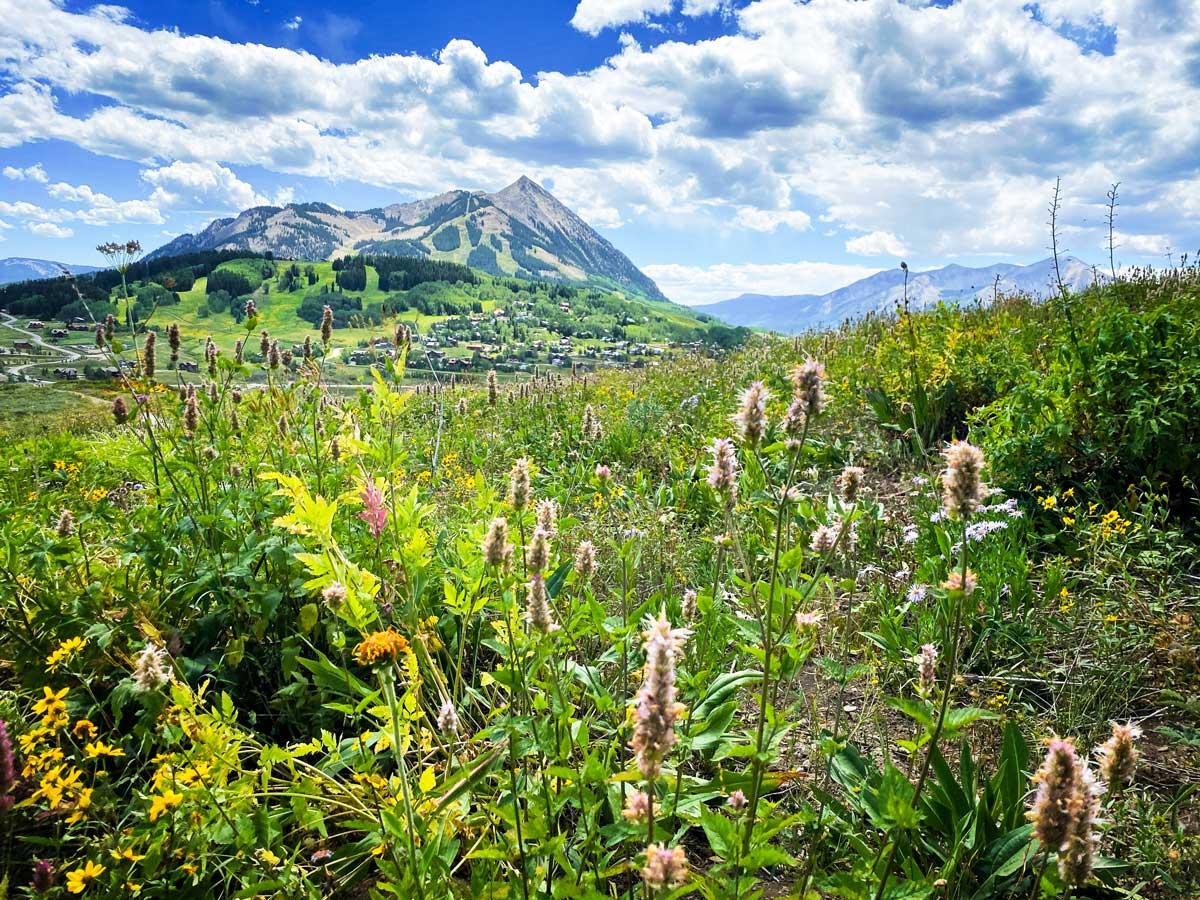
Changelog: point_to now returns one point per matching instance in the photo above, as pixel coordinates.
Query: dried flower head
(962, 489)
(120, 411)
(264, 345)
(492, 388)
(274, 355)
(496, 548)
(151, 670)
(689, 605)
(380, 645)
(100, 342)
(173, 341)
(850, 483)
(722, 475)
(518, 484)
(665, 868)
(191, 413)
(42, 878)
(751, 417)
(66, 524)
(537, 606)
(1119, 756)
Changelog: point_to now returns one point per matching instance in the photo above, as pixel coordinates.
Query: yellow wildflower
(64, 652)
(99, 748)
(126, 855)
(84, 730)
(79, 879)
(160, 803)
(51, 708)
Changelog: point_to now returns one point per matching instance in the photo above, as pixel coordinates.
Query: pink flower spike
(374, 513)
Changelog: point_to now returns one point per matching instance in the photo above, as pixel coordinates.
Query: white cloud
(101, 209)
(293, 24)
(31, 173)
(50, 230)
(707, 284)
(593, 16)
(877, 243)
(207, 185)
(769, 219)
(942, 125)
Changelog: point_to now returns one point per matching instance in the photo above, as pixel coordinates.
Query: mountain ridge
(25, 268)
(881, 291)
(520, 230)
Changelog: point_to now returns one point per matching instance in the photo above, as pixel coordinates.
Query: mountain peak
(522, 230)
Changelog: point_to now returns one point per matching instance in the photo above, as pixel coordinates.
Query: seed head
(1079, 846)
(173, 341)
(66, 524)
(537, 554)
(547, 516)
(492, 388)
(926, 662)
(688, 605)
(120, 411)
(824, 539)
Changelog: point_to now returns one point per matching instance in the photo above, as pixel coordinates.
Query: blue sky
(725, 145)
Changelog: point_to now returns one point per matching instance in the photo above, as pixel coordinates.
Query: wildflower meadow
(904, 609)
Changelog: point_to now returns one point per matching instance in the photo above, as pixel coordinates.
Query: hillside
(522, 230)
(880, 292)
(20, 268)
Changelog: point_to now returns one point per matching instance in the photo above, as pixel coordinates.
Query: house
(22, 345)
(35, 324)
(68, 374)
(188, 366)
(59, 332)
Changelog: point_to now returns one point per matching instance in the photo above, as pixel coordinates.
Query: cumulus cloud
(696, 285)
(50, 230)
(593, 16)
(945, 126)
(293, 24)
(30, 173)
(877, 243)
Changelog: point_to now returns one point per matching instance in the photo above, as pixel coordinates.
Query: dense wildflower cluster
(1065, 810)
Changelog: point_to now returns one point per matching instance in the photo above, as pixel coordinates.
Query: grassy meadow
(868, 613)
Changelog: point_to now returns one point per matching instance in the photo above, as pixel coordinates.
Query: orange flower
(379, 644)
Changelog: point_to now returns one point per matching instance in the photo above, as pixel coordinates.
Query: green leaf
(308, 618)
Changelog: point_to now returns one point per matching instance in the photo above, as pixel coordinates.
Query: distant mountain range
(20, 268)
(880, 292)
(522, 230)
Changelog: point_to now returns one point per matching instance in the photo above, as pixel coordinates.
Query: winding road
(10, 321)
